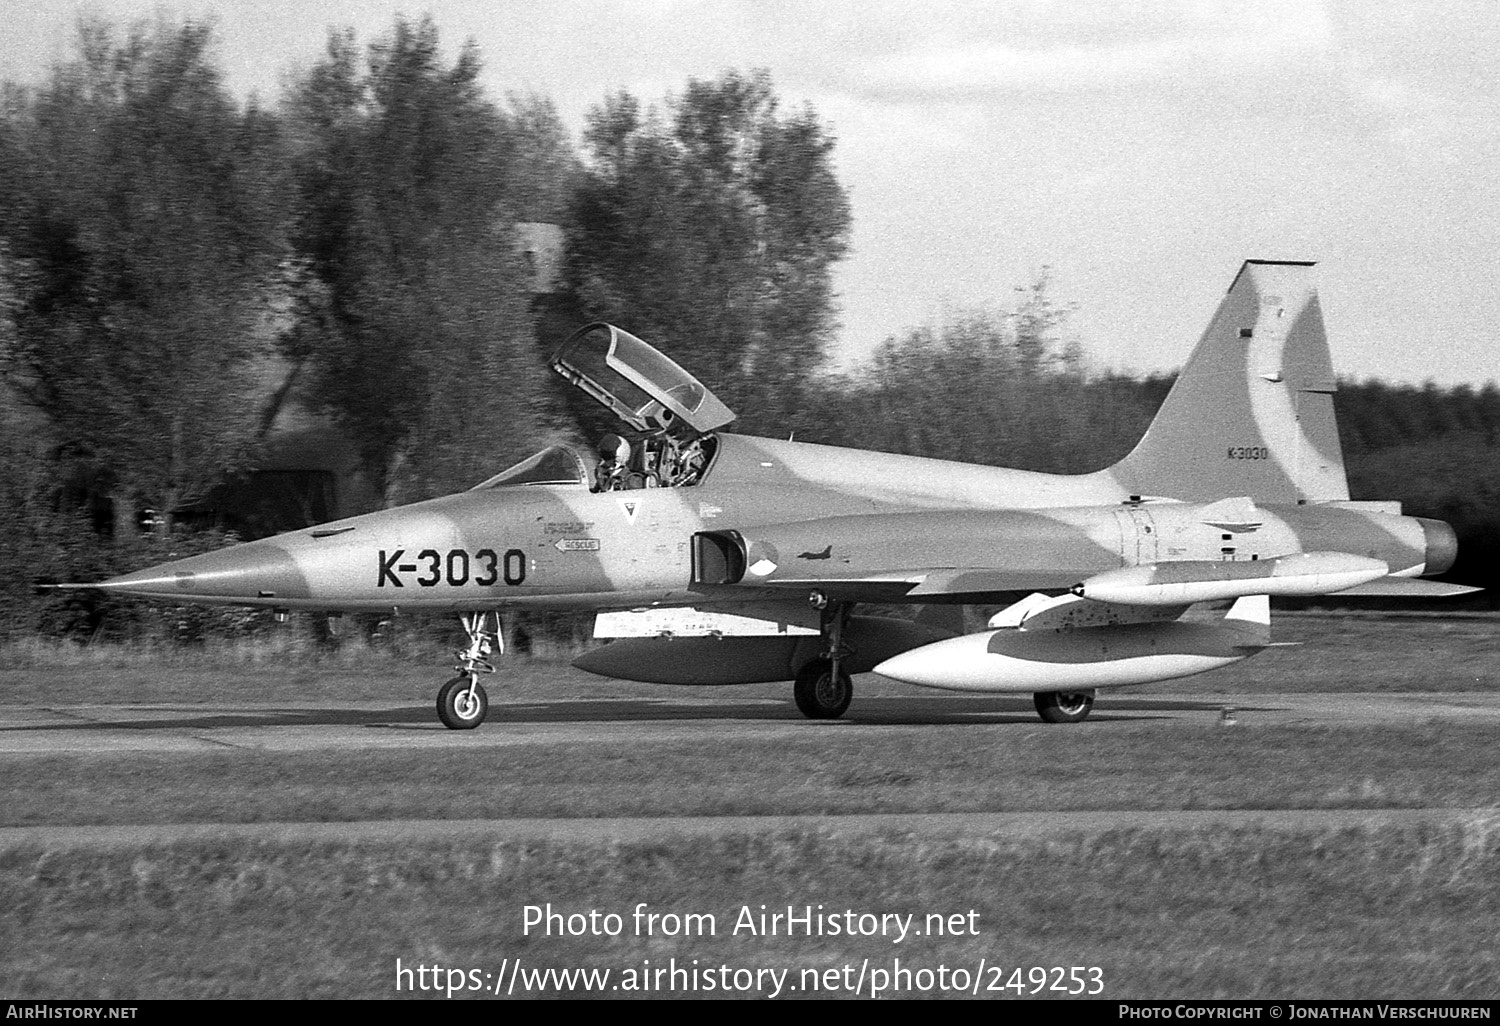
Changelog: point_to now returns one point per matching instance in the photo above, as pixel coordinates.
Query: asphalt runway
(321, 726)
(102, 730)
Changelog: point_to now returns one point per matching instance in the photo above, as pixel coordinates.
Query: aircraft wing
(928, 584)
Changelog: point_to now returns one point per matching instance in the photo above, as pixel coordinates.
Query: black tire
(1064, 706)
(456, 717)
(819, 695)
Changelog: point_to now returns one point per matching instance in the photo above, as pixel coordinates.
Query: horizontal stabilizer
(1407, 587)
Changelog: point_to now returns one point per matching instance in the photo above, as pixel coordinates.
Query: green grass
(919, 768)
(1394, 912)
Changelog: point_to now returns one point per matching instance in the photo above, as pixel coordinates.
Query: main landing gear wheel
(821, 693)
(1063, 706)
(461, 706)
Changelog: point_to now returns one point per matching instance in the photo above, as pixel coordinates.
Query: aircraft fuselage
(804, 513)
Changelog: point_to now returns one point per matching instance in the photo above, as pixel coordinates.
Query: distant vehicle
(715, 558)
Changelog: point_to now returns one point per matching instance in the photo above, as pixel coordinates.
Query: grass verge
(1394, 912)
(889, 769)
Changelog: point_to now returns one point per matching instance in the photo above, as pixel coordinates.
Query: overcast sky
(1139, 148)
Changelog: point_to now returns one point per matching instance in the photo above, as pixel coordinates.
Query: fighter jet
(716, 558)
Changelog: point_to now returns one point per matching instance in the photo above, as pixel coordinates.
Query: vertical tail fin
(1252, 412)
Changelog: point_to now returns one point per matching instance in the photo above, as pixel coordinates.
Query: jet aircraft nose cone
(255, 570)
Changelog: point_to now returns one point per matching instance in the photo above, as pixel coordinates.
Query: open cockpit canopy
(670, 416)
(642, 387)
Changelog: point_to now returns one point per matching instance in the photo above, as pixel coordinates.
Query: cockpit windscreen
(555, 465)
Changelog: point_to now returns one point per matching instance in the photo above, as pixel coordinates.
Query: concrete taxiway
(321, 726)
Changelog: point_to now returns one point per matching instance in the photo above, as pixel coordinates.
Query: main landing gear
(462, 702)
(1063, 706)
(823, 690)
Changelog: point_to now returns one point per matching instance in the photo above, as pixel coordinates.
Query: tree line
(162, 243)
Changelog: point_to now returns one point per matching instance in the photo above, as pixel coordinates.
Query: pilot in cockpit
(614, 464)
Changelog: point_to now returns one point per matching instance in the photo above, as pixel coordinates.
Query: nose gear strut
(462, 702)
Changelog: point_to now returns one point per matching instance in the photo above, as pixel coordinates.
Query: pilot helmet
(613, 447)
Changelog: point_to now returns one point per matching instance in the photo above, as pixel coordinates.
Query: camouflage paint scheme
(893, 521)
(1242, 463)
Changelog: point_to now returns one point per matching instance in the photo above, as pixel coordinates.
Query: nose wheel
(462, 703)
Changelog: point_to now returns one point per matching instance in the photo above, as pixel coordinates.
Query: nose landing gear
(462, 702)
